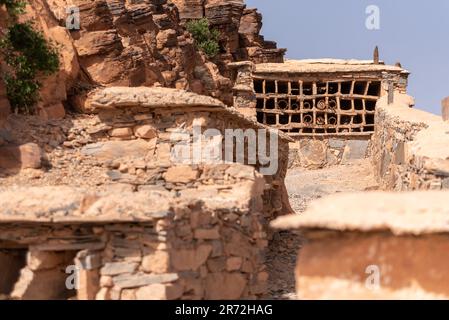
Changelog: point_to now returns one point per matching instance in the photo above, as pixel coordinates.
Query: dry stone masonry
(106, 198)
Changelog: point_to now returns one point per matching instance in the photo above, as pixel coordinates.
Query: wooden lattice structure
(317, 97)
(317, 107)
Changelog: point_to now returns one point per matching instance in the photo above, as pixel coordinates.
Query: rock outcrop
(239, 29)
(119, 43)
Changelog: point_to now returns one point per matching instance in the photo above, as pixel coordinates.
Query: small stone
(160, 292)
(25, 156)
(207, 233)
(141, 279)
(234, 263)
(121, 132)
(103, 294)
(262, 276)
(157, 262)
(143, 117)
(190, 259)
(145, 131)
(106, 281)
(225, 286)
(181, 174)
(216, 264)
(115, 268)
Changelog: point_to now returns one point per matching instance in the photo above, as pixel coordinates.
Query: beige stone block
(106, 281)
(145, 131)
(157, 262)
(25, 156)
(190, 259)
(41, 260)
(121, 132)
(128, 294)
(181, 174)
(224, 286)
(115, 268)
(88, 284)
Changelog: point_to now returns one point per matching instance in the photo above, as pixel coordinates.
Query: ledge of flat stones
(64, 204)
(149, 97)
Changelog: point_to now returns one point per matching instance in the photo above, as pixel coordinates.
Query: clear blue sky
(413, 32)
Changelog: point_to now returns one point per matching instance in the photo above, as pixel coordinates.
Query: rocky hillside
(140, 43)
(239, 28)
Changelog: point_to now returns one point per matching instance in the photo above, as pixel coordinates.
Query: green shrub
(205, 37)
(14, 7)
(29, 55)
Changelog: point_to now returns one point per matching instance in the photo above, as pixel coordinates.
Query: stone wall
(284, 95)
(316, 153)
(409, 147)
(131, 141)
(136, 245)
(5, 108)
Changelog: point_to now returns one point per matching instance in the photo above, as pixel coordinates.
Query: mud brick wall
(409, 147)
(372, 245)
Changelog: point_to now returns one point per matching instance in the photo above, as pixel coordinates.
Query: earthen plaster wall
(409, 147)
